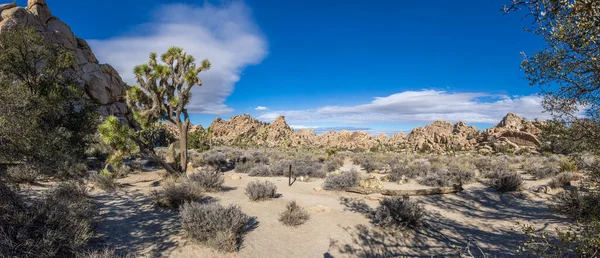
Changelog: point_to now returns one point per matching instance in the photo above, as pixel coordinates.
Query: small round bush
(259, 191)
(209, 179)
(214, 225)
(438, 177)
(104, 180)
(174, 194)
(260, 170)
(507, 182)
(342, 181)
(294, 215)
(577, 204)
(398, 212)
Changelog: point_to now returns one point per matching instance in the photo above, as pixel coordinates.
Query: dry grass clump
(398, 212)
(214, 225)
(58, 225)
(208, 179)
(342, 181)
(567, 164)
(294, 215)
(260, 191)
(507, 182)
(22, 173)
(561, 180)
(175, 193)
(104, 180)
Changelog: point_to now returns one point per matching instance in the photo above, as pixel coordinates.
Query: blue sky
(378, 66)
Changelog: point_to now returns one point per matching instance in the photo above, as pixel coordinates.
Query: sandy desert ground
(338, 227)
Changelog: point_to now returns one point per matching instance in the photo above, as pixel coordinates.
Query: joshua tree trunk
(183, 144)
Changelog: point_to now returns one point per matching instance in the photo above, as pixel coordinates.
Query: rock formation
(439, 136)
(443, 136)
(100, 81)
(514, 131)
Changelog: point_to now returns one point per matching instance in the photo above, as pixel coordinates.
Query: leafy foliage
(567, 69)
(45, 120)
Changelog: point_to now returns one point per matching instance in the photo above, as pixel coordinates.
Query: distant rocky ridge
(101, 82)
(513, 132)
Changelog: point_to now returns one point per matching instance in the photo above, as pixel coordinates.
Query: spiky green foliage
(164, 91)
(45, 120)
(119, 137)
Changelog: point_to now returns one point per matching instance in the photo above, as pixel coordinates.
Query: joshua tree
(162, 95)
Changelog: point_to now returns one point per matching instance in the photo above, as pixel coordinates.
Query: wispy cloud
(226, 35)
(261, 108)
(419, 107)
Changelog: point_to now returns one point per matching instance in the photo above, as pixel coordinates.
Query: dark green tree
(568, 69)
(45, 120)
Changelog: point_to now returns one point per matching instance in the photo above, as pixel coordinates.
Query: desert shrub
(214, 225)
(368, 162)
(104, 180)
(398, 212)
(60, 224)
(196, 158)
(334, 163)
(507, 182)
(244, 167)
(484, 164)
(567, 164)
(439, 177)
(578, 240)
(561, 180)
(462, 171)
(260, 191)
(420, 167)
(400, 171)
(342, 181)
(208, 179)
(294, 215)
(260, 170)
(300, 167)
(174, 194)
(547, 169)
(577, 204)
(22, 173)
(216, 159)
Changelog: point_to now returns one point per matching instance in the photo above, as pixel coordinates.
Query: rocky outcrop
(443, 136)
(513, 131)
(101, 81)
(439, 136)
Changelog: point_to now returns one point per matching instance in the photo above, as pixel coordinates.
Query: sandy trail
(338, 226)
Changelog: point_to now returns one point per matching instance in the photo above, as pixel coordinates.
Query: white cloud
(261, 108)
(226, 35)
(421, 107)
